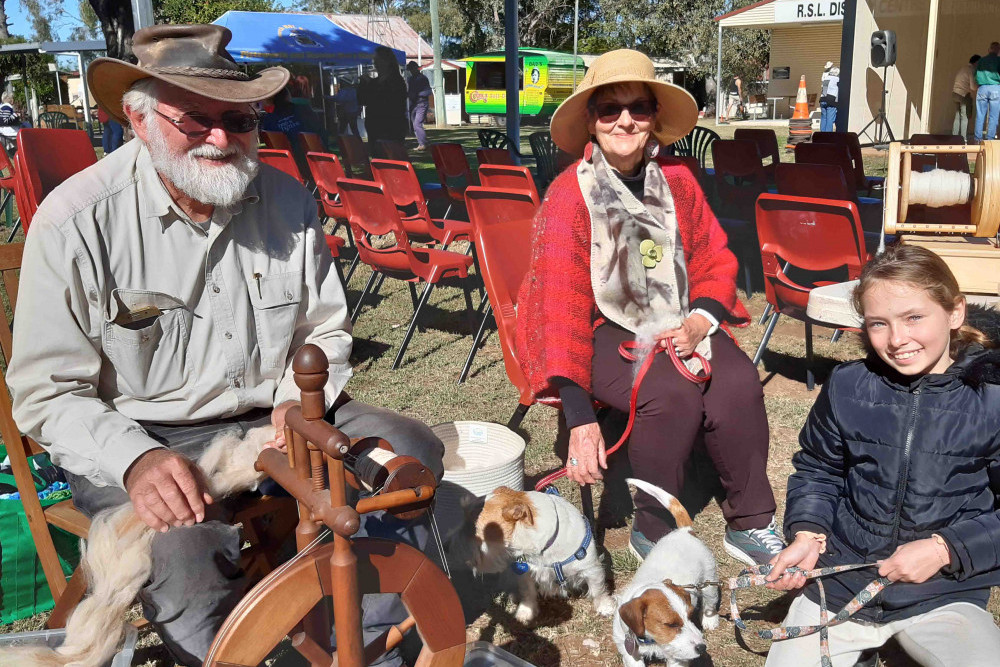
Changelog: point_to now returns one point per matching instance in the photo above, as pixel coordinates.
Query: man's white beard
(216, 185)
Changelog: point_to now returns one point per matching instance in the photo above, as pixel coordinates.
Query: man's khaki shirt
(219, 314)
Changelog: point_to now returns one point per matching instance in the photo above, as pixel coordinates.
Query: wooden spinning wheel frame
(291, 601)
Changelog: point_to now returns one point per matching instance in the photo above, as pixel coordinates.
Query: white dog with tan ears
(117, 560)
(547, 540)
(655, 610)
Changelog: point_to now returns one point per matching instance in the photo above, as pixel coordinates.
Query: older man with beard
(163, 294)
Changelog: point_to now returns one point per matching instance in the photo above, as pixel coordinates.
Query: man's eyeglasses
(640, 110)
(195, 125)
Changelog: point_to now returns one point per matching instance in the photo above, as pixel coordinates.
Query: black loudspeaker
(883, 48)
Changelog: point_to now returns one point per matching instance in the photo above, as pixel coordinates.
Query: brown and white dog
(655, 610)
(547, 540)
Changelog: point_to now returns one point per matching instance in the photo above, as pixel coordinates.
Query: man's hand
(802, 553)
(278, 421)
(586, 446)
(686, 337)
(167, 489)
(915, 562)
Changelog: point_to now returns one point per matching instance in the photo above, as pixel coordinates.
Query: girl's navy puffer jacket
(887, 460)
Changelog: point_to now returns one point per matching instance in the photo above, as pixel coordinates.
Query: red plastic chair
(453, 172)
(494, 156)
(810, 236)
(312, 143)
(507, 177)
(46, 158)
(400, 182)
(501, 228)
(926, 162)
(767, 146)
(326, 170)
(850, 139)
(15, 188)
(394, 150)
(354, 156)
(835, 154)
(739, 176)
(283, 160)
(371, 213)
(275, 140)
(826, 181)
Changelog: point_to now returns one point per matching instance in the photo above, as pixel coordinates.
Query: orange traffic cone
(801, 101)
(800, 125)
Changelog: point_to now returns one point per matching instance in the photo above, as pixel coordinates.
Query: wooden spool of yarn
(372, 466)
(938, 188)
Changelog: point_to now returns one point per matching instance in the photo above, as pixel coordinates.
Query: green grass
(426, 387)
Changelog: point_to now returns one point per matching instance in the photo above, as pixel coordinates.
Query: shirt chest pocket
(275, 301)
(150, 353)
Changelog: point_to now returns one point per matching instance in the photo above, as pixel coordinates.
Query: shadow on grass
(794, 367)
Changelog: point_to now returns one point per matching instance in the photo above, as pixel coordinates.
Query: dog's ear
(519, 511)
(683, 594)
(633, 614)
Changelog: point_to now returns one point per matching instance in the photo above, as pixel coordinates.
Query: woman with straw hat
(625, 249)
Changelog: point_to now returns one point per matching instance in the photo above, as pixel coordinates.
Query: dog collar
(632, 643)
(520, 565)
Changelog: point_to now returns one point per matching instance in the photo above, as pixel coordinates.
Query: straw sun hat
(192, 57)
(676, 110)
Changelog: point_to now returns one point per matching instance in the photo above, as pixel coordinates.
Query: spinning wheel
(291, 600)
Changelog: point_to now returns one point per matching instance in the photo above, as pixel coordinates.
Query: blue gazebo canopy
(269, 37)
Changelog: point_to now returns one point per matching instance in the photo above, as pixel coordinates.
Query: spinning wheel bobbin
(984, 190)
(372, 465)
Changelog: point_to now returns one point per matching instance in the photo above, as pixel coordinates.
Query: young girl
(900, 463)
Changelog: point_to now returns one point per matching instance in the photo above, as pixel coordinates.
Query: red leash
(626, 350)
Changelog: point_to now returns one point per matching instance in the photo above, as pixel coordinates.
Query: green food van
(546, 80)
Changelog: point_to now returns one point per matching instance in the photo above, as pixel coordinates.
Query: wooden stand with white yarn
(969, 248)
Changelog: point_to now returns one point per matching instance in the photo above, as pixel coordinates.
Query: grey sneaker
(756, 546)
(639, 545)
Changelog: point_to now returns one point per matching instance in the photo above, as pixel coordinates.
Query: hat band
(209, 72)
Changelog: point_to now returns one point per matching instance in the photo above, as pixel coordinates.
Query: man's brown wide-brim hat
(192, 57)
(676, 113)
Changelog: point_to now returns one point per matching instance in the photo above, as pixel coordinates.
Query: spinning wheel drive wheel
(279, 604)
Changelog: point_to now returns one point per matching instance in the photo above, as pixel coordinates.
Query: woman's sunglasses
(195, 125)
(640, 110)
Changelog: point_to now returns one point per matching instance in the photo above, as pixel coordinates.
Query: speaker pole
(879, 138)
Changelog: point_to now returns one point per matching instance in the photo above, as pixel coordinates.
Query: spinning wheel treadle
(289, 602)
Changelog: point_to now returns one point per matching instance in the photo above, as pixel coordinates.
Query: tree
(117, 25)
(206, 11)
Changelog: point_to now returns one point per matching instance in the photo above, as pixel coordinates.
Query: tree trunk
(117, 25)
(4, 33)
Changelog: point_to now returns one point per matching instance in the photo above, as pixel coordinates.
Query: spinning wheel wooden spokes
(274, 608)
(291, 600)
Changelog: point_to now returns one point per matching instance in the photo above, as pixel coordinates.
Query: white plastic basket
(478, 457)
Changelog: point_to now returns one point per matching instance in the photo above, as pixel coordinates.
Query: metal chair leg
(378, 285)
(810, 378)
(475, 344)
(836, 335)
(767, 313)
(766, 338)
(354, 265)
(415, 301)
(361, 299)
(413, 325)
(518, 416)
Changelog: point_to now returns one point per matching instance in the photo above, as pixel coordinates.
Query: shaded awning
(268, 37)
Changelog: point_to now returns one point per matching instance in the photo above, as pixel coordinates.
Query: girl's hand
(802, 553)
(686, 337)
(586, 446)
(915, 562)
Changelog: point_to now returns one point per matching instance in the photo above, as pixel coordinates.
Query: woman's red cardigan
(556, 307)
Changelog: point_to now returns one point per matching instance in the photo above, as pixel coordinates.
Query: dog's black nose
(701, 649)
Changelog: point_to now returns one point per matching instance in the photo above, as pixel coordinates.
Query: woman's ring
(573, 461)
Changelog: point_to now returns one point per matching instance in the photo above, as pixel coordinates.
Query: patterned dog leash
(757, 576)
